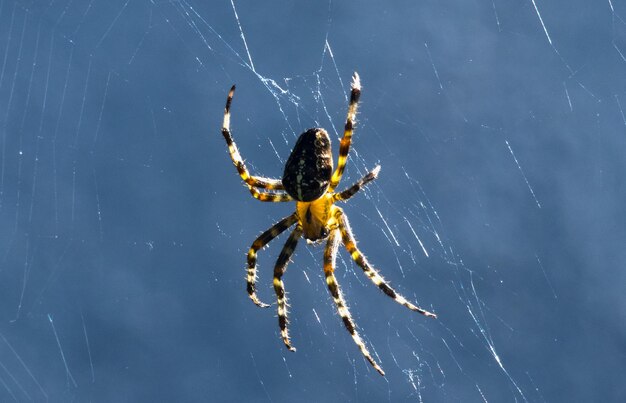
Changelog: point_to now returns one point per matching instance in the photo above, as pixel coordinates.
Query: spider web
(123, 226)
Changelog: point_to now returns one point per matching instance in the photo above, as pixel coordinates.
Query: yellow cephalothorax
(310, 181)
(317, 218)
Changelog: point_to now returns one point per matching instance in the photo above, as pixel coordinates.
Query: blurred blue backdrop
(501, 132)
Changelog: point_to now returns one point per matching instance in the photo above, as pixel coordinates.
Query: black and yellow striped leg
(350, 244)
(344, 146)
(352, 190)
(273, 197)
(330, 254)
(258, 244)
(279, 287)
(256, 181)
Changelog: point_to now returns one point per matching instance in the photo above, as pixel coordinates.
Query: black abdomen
(309, 167)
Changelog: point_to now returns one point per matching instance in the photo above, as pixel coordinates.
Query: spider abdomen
(309, 167)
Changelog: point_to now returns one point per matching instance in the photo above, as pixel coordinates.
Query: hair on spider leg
(376, 171)
(356, 82)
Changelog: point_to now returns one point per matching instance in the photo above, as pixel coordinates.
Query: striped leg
(330, 254)
(273, 197)
(350, 244)
(351, 191)
(259, 244)
(344, 146)
(257, 181)
(279, 287)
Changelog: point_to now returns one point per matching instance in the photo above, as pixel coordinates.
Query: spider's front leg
(258, 244)
(251, 181)
(279, 287)
(330, 255)
(350, 244)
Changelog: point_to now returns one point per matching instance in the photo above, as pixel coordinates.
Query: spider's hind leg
(346, 140)
(258, 244)
(330, 255)
(252, 181)
(269, 196)
(350, 244)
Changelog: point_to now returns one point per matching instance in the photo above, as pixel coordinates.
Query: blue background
(500, 206)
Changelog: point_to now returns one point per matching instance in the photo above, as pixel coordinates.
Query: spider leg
(350, 244)
(273, 197)
(258, 244)
(256, 181)
(352, 190)
(279, 287)
(330, 255)
(344, 146)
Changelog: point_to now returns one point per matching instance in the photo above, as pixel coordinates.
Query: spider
(310, 181)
